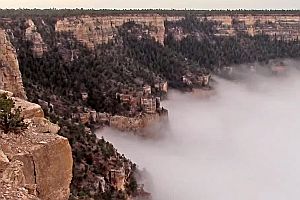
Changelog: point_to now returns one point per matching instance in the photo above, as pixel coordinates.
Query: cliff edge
(36, 164)
(93, 31)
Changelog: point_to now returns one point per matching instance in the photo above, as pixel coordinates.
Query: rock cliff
(93, 31)
(10, 76)
(36, 164)
(32, 35)
(139, 125)
(285, 26)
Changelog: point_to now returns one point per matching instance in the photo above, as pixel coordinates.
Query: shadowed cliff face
(32, 35)
(93, 31)
(242, 143)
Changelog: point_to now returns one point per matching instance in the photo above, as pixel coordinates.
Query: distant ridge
(169, 12)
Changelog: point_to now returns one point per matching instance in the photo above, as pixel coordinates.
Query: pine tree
(10, 117)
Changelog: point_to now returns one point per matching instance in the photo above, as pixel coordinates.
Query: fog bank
(241, 144)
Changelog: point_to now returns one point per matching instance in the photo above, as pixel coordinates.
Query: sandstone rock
(13, 174)
(3, 161)
(137, 125)
(12, 181)
(93, 31)
(118, 178)
(9, 94)
(46, 125)
(31, 34)
(3, 157)
(283, 23)
(10, 192)
(29, 110)
(10, 76)
(40, 160)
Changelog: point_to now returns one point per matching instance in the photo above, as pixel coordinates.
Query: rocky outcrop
(36, 164)
(10, 76)
(11, 180)
(31, 34)
(138, 124)
(285, 26)
(93, 31)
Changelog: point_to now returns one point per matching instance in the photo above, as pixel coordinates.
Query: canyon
(113, 71)
(93, 31)
(238, 142)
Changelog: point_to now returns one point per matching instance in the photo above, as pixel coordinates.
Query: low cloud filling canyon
(241, 144)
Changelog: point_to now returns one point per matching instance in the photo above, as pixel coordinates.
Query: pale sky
(176, 4)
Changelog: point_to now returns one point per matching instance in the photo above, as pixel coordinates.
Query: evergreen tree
(10, 117)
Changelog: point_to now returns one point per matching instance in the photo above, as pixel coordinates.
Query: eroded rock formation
(285, 26)
(93, 31)
(36, 164)
(10, 76)
(138, 125)
(32, 35)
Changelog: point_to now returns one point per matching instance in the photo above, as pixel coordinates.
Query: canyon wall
(140, 125)
(36, 164)
(93, 31)
(10, 76)
(31, 34)
(251, 19)
(285, 26)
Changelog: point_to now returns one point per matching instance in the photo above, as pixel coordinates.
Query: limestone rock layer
(93, 31)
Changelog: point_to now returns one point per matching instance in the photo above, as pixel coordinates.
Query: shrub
(10, 117)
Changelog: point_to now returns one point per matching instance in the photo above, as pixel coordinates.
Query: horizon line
(155, 9)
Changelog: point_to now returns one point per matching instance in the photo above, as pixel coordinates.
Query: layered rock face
(10, 76)
(286, 26)
(36, 164)
(252, 19)
(138, 125)
(31, 34)
(283, 26)
(93, 31)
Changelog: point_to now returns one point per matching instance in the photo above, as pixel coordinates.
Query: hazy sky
(179, 4)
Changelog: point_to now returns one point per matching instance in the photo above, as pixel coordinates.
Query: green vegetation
(93, 158)
(10, 117)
